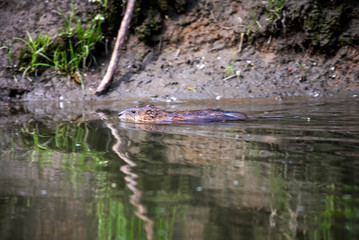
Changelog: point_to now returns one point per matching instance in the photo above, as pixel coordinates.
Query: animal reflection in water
(130, 179)
(151, 114)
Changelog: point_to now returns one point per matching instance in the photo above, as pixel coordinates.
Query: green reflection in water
(117, 217)
(129, 213)
(71, 138)
(339, 213)
(36, 143)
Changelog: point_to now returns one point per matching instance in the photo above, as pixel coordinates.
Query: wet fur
(151, 114)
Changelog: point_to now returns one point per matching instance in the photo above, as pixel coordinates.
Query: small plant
(229, 71)
(300, 65)
(35, 54)
(60, 60)
(253, 28)
(71, 50)
(274, 12)
(8, 49)
(81, 42)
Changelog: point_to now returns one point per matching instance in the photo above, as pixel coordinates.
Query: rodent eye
(133, 111)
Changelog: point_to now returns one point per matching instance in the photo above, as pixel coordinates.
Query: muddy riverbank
(200, 54)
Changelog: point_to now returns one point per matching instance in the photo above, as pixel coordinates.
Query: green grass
(229, 71)
(8, 49)
(274, 15)
(252, 28)
(68, 52)
(66, 138)
(274, 12)
(81, 42)
(35, 53)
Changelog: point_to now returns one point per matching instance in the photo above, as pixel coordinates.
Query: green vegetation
(148, 18)
(274, 13)
(341, 210)
(323, 25)
(74, 47)
(81, 42)
(37, 143)
(115, 216)
(150, 29)
(70, 137)
(8, 49)
(119, 219)
(229, 70)
(71, 50)
(253, 28)
(36, 54)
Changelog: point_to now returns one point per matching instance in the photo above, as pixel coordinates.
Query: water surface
(67, 174)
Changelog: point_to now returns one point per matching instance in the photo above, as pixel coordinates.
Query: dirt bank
(199, 53)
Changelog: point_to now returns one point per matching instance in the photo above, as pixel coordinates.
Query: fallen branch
(118, 46)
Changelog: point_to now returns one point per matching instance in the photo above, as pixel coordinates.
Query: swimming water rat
(151, 114)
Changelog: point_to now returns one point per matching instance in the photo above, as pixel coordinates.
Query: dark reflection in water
(275, 178)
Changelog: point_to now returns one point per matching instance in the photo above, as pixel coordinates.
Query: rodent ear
(150, 113)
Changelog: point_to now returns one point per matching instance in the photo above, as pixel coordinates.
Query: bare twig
(241, 42)
(118, 46)
(229, 77)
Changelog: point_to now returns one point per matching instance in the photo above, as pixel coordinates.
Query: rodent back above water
(152, 114)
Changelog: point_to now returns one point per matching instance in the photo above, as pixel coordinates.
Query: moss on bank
(323, 24)
(147, 19)
(326, 25)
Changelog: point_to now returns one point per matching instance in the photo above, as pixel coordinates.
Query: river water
(67, 174)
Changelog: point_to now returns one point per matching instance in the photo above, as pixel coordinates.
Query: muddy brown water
(66, 176)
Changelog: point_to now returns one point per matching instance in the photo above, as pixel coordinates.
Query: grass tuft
(71, 50)
(8, 48)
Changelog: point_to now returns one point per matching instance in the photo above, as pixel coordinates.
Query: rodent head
(139, 114)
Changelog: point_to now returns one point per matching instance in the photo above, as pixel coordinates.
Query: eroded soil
(199, 56)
